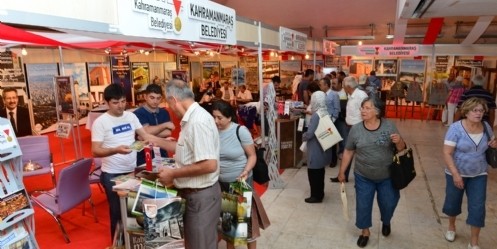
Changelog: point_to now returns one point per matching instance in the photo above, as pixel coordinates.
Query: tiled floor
(418, 221)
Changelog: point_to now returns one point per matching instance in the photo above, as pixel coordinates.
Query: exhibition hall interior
(105, 141)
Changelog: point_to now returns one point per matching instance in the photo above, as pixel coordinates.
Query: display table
(288, 149)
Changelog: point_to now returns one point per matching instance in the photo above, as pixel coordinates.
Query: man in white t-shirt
(111, 135)
(244, 95)
(353, 112)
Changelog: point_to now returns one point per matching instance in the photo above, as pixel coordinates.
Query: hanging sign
(409, 50)
(329, 47)
(291, 40)
(469, 63)
(186, 20)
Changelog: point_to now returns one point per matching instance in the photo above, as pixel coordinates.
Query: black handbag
(402, 170)
(490, 153)
(260, 172)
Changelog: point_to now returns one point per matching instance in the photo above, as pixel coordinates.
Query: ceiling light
(359, 43)
(141, 51)
(107, 50)
(24, 51)
(271, 54)
(243, 50)
(306, 56)
(196, 52)
(147, 52)
(293, 58)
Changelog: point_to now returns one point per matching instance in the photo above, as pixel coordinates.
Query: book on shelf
(12, 203)
(15, 237)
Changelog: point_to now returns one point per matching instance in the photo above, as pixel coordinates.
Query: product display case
(16, 212)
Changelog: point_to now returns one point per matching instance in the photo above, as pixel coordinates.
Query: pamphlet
(150, 190)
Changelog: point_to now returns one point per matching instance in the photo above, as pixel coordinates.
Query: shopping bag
(326, 133)
(303, 147)
(163, 222)
(402, 170)
(236, 212)
(262, 217)
(345, 208)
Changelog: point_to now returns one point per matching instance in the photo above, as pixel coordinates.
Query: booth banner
(121, 74)
(409, 50)
(64, 96)
(329, 47)
(186, 20)
(11, 74)
(291, 40)
(99, 78)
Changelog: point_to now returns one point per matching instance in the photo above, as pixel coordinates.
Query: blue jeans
(387, 199)
(476, 192)
(113, 199)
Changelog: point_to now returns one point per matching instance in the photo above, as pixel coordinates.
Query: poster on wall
(168, 68)
(441, 64)
(288, 70)
(99, 77)
(238, 76)
(41, 91)
(80, 80)
(249, 64)
(12, 75)
(361, 66)
(121, 75)
(412, 71)
(386, 68)
(226, 68)
(141, 79)
(318, 67)
(210, 72)
(156, 72)
(64, 94)
(180, 75)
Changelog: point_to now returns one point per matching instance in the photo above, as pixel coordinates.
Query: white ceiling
(352, 17)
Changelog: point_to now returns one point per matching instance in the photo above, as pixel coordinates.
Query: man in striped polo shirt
(478, 91)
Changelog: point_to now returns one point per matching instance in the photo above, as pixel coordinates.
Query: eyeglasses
(366, 108)
(478, 110)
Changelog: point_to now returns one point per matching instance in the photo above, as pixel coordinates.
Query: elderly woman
(466, 168)
(236, 155)
(371, 142)
(317, 159)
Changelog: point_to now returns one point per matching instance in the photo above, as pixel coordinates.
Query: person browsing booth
(155, 120)
(197, 166)
(112, 134)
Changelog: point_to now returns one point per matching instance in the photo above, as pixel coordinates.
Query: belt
(187, 191)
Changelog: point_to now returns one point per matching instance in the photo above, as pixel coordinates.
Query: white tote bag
(345, 207)
(326, 133)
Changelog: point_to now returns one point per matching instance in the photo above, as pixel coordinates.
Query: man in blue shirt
(155, 120)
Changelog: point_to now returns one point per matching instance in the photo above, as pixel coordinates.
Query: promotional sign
(329, 47)
(469, 63)
(389, 50)
(186, 20)
(291, 40)
(121, 74)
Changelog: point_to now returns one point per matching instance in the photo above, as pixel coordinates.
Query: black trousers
(316, 182)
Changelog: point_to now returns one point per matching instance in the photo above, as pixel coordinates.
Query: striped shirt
(479, 92)
(455, 94)
(198, 141)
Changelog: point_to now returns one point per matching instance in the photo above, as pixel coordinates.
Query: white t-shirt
(228, 94)
(353, 114)
(113, 132)
(246, 95)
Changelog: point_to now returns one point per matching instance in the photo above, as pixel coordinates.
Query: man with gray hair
(478, 91)
(353, 111)
(197, 167)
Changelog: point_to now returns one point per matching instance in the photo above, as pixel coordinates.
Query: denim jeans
(113, 199)
(387, 198)
(476, 192)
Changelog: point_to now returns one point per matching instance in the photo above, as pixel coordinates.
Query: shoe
(313, 200)
(450, 235)
(385, 230)
(333, 165)
(472, 247)
(362, 241)
(335, 179)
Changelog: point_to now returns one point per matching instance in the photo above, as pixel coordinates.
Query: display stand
(16, 213)
(272, 146)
